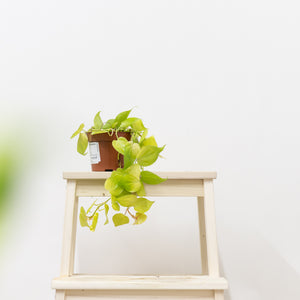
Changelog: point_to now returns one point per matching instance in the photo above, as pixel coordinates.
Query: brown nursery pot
(103, 155)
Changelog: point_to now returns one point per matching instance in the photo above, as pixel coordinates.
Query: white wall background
(216, 80)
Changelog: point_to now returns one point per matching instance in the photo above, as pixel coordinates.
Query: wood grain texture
(202, 235)
(117, 282)
(138, 295)
(208, 286)
(69, 235)
(210, 225)
(169, 175)
(171, 187)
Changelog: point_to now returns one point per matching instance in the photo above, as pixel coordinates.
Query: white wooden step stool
(206, 286)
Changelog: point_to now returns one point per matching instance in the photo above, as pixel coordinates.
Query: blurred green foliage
(7, 174)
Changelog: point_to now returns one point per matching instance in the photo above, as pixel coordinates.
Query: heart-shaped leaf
(109, 123)
(130, 183)
(120, 144)
(127, 200)
(122, 117)
(112, 185)
(114, 204)
(95, 221)
(148, 155)
(97, 121)
(120, 219)
(151, 178)
(130, 153)
(140, 218)
(150, 141)
(142, 205)
(83, 218)
(82, 143)
(80, 128)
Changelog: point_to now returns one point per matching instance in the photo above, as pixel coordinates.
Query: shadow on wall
(254, 269)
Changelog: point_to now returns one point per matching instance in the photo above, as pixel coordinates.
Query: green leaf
(130, 183)
(122, 117)
(142, 205)
(134, 170)
(108, 124)
(148, 155)
(138, 125)
(150, 141)
(111, 184)
(106, 211)
(130, 153)
(95, 221)
(127, 123)
(135, 123)
(120, 219)
(78, 130)
(82, 143)
(140, 218)
(98, 131)
(120, 144)
(141, 192)
(114, 204)
(83, 218)
(127, 200)
(97, 121)
(151, 178)
(145, 133)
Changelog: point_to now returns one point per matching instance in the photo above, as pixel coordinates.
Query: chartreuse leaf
(78, 130)
(150, 141)
(138, 125)
(141, 192)
(82, 143)
(98, 131)
(127, 123)
(134, 170)
(112, 186)
(140, 218)
(120, 219)
(127, 200)
(142, 205)
(122, 117)
(145, 133)
(148, 155)
(83, 218)
(130, 153)
(120, 144)
(106, 207)
(95, 221)
(135, 123)
(108, 124)
(130, 183)
(151, 178)
(97, 121)
(114, 204)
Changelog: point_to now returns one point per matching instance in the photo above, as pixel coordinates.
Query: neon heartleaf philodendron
(126, 185)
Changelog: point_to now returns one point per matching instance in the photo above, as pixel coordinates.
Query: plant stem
(127, 210)
(98, 206)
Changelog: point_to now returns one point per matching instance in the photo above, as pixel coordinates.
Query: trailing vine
(126, 184)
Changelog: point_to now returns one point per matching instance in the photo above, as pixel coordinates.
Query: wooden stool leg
(202, 230)
(210, 225)
(219, 295)
(70, 226)
(60, 295)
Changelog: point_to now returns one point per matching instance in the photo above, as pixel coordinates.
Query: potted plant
(120, 145)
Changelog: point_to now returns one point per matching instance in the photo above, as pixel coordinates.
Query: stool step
(113, 282)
